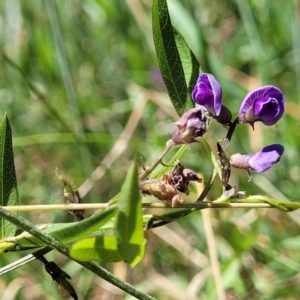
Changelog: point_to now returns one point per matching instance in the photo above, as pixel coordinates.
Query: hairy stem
(24, 260)
(250, 202)
(95, 268)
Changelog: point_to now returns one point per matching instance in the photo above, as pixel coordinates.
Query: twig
(24, 260)
(201, 205)
(49, 240)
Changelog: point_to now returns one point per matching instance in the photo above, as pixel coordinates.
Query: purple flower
(208, 93)
(192, 124)
(259, 161)
(265, 104)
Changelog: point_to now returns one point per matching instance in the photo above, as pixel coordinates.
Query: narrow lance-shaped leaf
(168, 57)
(129, 222)
(8, 180)
(63, 232)
(189, 62)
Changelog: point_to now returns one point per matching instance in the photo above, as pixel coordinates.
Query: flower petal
(265, 104)
(266, 158)
(208, 93)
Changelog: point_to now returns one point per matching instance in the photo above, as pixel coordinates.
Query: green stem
(257, 201)
(207, 186)
(157, 161)
(232, 129)
(24, 260)
(49, 240)
(284, 205)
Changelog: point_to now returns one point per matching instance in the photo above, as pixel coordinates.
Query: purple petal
(208, 93)
(264, 104)
(268, 110)
(266, 158)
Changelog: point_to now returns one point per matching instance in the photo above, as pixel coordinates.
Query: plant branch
(24, 260)
(232, 129)
(95, 268)
(250, 202)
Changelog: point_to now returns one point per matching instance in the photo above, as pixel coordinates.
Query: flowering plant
(117, 232)
(265, 104)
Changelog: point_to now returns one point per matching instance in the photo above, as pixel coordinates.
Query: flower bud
(192, 124)
(208, 93)
(260, 161)
(265, 104)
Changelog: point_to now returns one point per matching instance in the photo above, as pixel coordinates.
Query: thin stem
(242, 203)
(157, 161)
(24, 260)
(232, 129)
(50, 207)
(49, 240)
(208, 186)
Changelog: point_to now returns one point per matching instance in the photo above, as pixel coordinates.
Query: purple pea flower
(208, 93)
(191, 124)
(259, 161)
(265, 104)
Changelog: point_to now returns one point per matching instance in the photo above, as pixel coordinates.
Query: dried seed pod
(59, 276)
(71, 195)
(167, 187)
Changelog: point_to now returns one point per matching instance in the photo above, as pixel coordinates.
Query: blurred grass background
(79, 82)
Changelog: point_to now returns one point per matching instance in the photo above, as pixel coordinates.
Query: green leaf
(239, 241)
(189, 62)
(168, 57)
(211, 156)
(184, 21)
(100, 248)
(8, 180)
(63, 232)
(129, 222)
